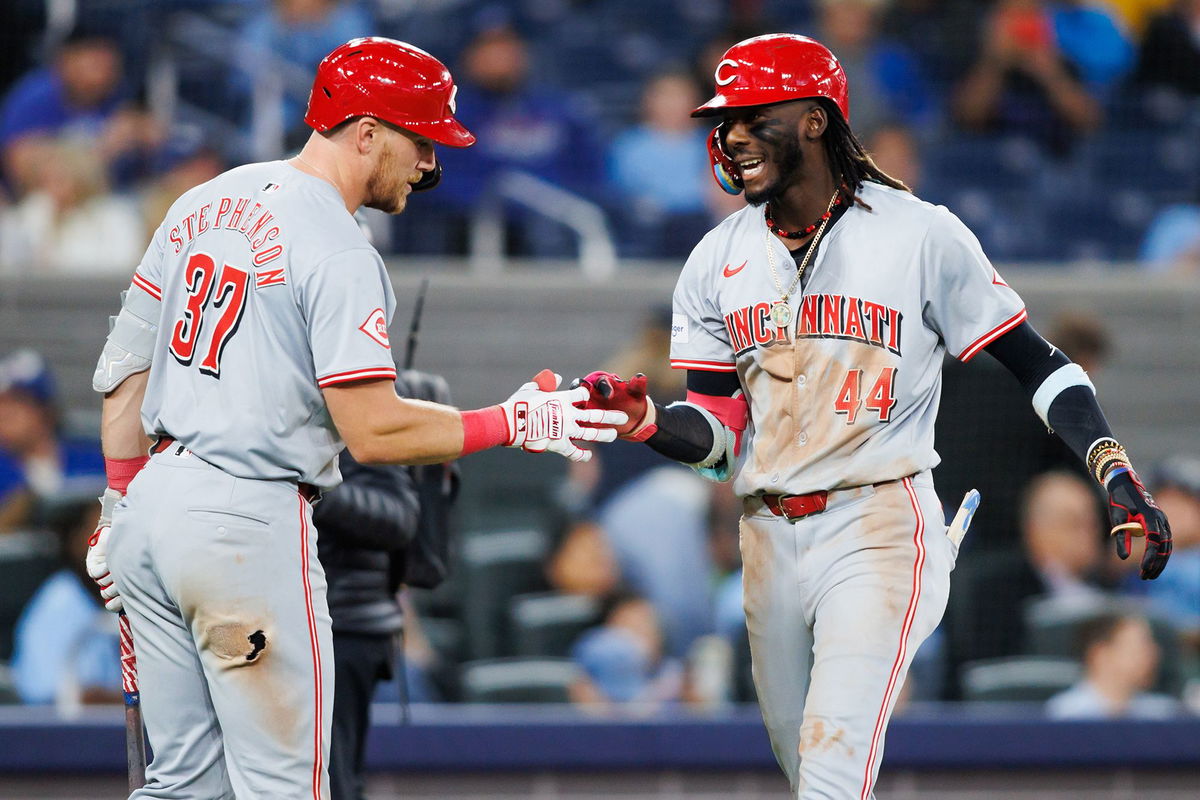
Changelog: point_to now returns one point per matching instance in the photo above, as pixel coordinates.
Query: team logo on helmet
(728, 62)
(453, 100)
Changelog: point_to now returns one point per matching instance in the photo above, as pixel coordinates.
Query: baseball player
(812, 324)
(252, 346)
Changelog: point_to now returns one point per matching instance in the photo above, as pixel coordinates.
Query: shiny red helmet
(392, 81)
(773, 69)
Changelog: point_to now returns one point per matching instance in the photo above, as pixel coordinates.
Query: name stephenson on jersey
(847, 393)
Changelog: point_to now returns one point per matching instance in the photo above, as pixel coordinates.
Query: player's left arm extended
(1065, 399)
(704, 431)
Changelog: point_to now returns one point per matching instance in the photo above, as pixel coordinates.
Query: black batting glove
(1133, 512)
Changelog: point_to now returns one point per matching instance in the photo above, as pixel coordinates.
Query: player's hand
(97, 554)
(607, 391)
(541, 419)
(1133, 512)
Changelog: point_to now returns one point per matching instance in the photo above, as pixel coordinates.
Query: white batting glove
(97, 554)
(540, 419)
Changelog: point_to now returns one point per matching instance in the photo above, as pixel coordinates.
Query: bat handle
(135, 741)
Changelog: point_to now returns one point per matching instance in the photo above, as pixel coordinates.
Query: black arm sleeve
(1074, 414)
(683, 434)
(375, 507)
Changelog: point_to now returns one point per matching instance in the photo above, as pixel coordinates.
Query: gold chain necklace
(315, 168)
(781, 312)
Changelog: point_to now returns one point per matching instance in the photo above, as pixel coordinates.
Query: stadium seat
(519, 680)
(547, 624)
(26, 559)
(495, 567)
(1031, 679)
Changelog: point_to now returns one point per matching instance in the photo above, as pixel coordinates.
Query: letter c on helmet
(729, 62)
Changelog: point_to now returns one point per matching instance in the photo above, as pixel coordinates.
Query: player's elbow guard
(728, 418)
(129, 347)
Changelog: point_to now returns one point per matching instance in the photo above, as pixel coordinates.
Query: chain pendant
(781, 314)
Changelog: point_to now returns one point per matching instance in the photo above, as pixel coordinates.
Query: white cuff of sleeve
(1056, 382)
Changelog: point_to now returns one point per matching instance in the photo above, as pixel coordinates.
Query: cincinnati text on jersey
(232, 214)
(822, 316)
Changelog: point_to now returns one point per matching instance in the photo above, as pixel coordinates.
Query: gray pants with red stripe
(221, 581)
(837, 604)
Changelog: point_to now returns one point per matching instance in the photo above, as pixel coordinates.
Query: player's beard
(787, 160)
(385, 187)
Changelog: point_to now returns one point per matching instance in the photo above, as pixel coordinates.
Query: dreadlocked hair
(848, 158)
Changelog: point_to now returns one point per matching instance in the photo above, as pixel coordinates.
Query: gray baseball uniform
(844, 399)
(269, 293)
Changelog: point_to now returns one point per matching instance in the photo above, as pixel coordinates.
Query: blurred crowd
(1058, 130)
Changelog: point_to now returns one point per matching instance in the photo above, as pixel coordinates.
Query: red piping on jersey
(318, 744)
(995, 333)
(902, 650)
(357, 375)
(732, 412)
(704, 366)
(147, 287)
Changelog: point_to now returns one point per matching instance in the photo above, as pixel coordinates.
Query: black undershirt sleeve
(683, 434)
(1074, 414)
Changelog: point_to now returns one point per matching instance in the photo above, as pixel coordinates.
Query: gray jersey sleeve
(966, 301)
(698, 336)
(347, 303)
(148, 275)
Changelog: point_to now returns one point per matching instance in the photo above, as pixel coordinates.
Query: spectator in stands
(1083, 338)
(35, 459)
(66, 646)
(1093, 41)
(1120, 660)
(1172, 243)
(896, 151)
(887, 79)
(1170, 52)
(185, 160)
(523, 126)
(1021, 83)
(289, 39)
(69, 222)
(658, 171)
(1062, 538)
(622, 659)
(80, 95)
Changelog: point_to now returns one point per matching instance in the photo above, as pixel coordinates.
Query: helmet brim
(448, 131)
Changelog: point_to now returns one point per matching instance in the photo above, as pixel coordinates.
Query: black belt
(306, 490)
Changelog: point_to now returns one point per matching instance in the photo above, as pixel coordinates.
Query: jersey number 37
(209, 293)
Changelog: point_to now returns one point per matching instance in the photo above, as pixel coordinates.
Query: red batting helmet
(390, 80)
(775, 68)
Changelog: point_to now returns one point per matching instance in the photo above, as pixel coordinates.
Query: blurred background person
(623, 662)
(1120, 661)
(66, 649)
(895, 150)
(1021, 83)
(80, 95)
(70, 222)
(36, 459)
(186, 159)
(658, 172)
(1170, 51)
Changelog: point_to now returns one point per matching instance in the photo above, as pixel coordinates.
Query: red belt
(306, 490)
(795, 506)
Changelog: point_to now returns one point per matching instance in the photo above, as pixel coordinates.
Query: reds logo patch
(376, 327)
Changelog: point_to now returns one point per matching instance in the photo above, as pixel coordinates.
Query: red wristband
(121, 471)
(484, 428)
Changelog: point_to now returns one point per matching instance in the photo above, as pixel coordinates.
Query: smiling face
(765, 143)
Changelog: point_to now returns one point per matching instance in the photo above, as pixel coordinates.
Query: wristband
(484, 428)
(121, 471)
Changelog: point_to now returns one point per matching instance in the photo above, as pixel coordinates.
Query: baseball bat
(411, 349)
(135, 740)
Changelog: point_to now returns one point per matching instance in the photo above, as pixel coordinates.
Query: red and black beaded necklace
(800, 234)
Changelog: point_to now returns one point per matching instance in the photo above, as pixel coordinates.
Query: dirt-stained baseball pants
(220, 578)
(837, 604)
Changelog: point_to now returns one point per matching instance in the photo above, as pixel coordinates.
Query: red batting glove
(609, 392)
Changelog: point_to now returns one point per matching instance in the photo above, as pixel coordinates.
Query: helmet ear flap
(429, 179)
(725, 172)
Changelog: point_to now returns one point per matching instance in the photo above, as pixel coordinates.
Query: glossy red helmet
(773, 69)
(392, 81)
